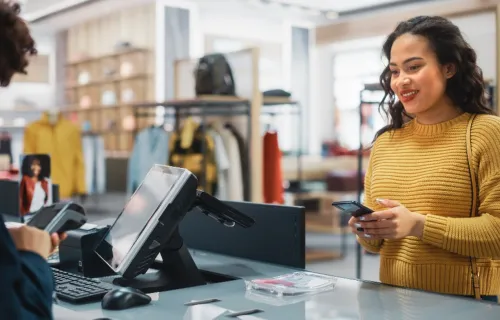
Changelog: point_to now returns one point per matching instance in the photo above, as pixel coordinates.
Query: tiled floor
(104, 209)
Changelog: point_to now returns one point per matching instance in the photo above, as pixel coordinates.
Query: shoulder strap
(471, 168)
(474, 207)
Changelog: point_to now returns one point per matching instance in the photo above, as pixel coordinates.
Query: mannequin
(53, 116)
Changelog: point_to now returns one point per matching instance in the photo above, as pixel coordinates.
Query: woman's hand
(28, 238)
(56, 239)
(396, 222)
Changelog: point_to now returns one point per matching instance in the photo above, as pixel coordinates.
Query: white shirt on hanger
(223, 164)
(235, 176)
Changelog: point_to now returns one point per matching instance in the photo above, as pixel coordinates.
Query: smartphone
(354, 208)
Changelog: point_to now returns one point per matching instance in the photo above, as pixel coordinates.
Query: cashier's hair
(465, 88)
(16, 43)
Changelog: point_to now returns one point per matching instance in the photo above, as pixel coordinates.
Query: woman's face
(417, 78)
(36, 168)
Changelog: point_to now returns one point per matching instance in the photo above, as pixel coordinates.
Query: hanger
(270, 127)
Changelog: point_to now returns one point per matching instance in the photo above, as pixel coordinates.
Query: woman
(26, 281)
(34, 188)
(419, 182)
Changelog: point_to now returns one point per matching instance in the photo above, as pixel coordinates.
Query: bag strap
(474, 207)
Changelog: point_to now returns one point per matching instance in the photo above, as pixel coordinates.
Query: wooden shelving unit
(100, 92)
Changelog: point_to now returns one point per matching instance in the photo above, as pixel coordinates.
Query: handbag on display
(213, 76)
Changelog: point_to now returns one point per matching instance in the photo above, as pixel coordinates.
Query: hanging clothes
(193, 150)
(222, 163)
(245, 166)
(62, 141)
(273, 174)
(95, 164)
(150, 148)
(235, 175)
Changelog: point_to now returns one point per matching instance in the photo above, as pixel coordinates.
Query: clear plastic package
(292, 284)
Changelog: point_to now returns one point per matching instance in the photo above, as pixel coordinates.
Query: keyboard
(74, 288)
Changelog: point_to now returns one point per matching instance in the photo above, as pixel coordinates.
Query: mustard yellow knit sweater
(425, 168)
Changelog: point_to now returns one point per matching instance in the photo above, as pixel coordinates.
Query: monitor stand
(177, 270)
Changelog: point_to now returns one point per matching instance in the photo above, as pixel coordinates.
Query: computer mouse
(124, 298)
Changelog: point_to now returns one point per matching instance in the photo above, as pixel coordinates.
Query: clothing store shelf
(208, 106)
(202, 101)
(270, 101)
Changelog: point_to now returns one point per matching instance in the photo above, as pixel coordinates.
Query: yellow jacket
(185, 149)
(63, 142)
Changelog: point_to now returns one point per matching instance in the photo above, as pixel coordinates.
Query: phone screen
(354, 208)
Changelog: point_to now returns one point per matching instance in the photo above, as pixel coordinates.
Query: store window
(352, 69)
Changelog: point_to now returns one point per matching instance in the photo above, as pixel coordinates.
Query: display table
(351, 299)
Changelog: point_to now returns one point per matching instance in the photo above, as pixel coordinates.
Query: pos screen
(139, 216)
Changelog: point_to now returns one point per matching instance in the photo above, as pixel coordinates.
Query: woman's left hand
(396, 222)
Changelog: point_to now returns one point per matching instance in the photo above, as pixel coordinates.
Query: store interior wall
(176, 46)
(300, 85)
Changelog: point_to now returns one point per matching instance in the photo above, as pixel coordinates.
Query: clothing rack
(368, 88)
(204, 108)
(274, 106)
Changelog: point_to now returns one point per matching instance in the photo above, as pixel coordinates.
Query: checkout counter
(350, 299)
(265, 251)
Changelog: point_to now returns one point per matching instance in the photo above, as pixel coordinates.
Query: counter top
(351, 299)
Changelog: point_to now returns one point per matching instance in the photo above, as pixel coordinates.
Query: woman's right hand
(28, 238)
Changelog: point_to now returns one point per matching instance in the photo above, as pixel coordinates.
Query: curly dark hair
(16, 43)
(465, 88)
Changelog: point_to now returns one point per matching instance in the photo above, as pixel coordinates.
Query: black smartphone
(354, 208)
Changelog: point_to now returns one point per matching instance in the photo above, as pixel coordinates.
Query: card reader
(59, 217)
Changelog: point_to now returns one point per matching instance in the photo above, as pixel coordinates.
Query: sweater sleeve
(477, 236)
(370, 245)
(26, 282)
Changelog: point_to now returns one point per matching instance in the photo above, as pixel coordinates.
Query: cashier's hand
(31, 239)
(395, 222)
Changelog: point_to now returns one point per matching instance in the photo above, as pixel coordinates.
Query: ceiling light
(332, 15)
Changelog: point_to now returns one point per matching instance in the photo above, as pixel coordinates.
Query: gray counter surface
(351, 299)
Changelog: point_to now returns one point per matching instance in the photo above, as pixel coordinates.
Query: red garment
(273, 175)
(26, 191)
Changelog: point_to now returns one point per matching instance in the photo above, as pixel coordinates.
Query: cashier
(26, 284)
(434, 174)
